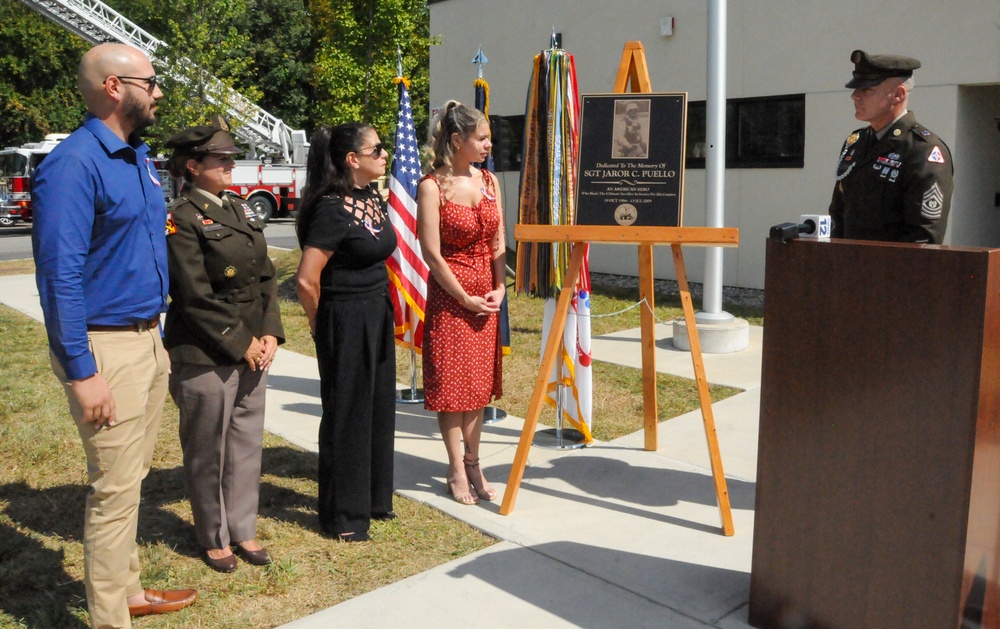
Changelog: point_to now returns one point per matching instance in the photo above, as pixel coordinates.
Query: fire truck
(272, 190)
(16, 166)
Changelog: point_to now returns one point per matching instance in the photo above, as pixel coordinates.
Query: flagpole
(491, 414)
(715, 162)
(559, 438)
(412, 395)
(727, 333)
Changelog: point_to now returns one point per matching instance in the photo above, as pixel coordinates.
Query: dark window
(760, 132)
(13, 165)
(508, 137)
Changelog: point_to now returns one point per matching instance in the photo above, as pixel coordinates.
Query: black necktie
(870, 142)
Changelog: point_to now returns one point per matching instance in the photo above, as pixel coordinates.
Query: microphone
(816, 226)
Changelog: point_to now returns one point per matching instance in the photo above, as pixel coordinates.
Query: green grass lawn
(42, 488)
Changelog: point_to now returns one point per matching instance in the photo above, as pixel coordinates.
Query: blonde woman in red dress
(460, 227)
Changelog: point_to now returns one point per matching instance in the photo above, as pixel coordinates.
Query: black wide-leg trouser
(357, 370)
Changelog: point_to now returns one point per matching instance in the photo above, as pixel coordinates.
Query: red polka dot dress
(461, 352)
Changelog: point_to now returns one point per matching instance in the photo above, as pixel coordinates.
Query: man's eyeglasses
(376, 151)
(150, 81)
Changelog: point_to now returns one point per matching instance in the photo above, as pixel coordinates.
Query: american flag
(407, 269)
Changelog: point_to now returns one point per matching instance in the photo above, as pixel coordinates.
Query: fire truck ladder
(96, 22)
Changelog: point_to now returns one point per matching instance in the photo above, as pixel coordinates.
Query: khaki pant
(134, 364)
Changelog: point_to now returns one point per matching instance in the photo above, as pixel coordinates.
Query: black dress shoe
(226, 564)
(388, 515)
(256, 557)
(357, 536)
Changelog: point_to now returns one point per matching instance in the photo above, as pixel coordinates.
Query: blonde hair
(456, 118)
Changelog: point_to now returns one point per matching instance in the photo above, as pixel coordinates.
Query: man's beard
(136, 114)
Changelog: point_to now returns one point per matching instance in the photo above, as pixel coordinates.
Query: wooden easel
(631, 70)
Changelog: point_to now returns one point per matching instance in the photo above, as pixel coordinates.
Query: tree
(282, 49)
(262, 48)
(38, 93)
(331, 63)
(356, 43)
(205, 52)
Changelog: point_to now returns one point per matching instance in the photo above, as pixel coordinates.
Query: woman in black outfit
(343, 287)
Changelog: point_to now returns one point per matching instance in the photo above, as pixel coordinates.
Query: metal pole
(559, 438)
(413, 395)
(413, 368)
(715, 161)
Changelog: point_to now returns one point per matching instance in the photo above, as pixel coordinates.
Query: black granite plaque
(631, 159)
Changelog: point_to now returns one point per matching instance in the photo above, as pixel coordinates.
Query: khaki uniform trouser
(135, 366)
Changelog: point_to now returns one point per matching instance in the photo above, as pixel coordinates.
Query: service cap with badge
(870, 70)
(206, 138)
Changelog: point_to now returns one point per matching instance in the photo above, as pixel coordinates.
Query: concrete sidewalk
(606, 536)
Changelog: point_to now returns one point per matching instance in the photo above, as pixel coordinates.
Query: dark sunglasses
(150, 81)
(376, 151)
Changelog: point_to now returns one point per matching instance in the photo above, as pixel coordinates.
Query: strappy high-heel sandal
(462, 497)
(479, 484)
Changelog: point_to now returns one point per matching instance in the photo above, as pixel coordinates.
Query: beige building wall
(774, 47)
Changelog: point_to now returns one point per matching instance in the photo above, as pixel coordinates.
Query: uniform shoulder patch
(171, 225)
(936, 155)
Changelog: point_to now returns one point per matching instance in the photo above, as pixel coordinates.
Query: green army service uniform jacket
(895, 189)
(223, 290)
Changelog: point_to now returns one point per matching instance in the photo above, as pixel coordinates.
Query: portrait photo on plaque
(632, 159)
(631, 129)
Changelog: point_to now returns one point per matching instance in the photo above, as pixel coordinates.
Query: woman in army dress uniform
(222, 329)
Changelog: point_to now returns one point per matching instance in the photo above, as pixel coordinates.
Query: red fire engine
(16, 167)
(272, 190)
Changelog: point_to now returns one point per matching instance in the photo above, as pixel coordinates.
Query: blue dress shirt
(99, 240)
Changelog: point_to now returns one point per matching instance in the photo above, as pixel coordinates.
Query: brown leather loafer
(226, 564)
(163, 601)
(256, 557)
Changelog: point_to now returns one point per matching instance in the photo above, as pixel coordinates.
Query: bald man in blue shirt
(101, 269)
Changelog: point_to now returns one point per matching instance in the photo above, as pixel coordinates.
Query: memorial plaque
(632, 159)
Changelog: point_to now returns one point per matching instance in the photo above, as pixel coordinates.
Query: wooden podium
(878, 482)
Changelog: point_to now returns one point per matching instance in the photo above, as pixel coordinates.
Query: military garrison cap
(206, 138)
(870, 70)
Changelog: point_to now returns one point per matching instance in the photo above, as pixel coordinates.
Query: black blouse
(360, 246)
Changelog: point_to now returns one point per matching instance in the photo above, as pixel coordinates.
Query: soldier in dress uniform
(222, 329)
(894, 177)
